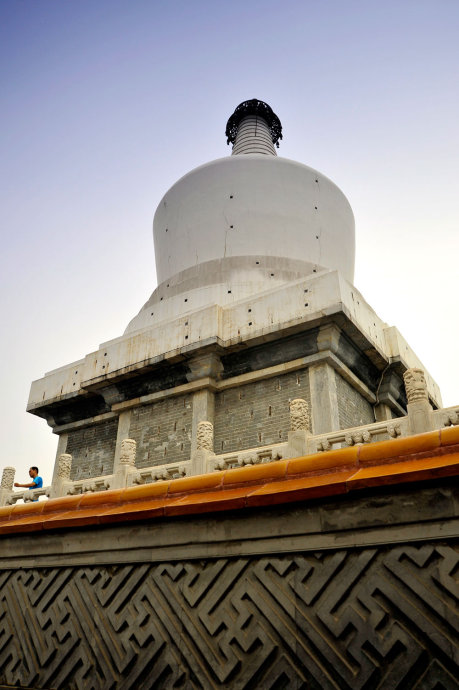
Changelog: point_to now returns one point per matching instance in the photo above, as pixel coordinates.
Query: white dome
(253, 205)
(243, 224)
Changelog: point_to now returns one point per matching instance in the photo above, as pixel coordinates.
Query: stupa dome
(246, 223)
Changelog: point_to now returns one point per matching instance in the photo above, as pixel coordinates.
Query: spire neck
(253, 136)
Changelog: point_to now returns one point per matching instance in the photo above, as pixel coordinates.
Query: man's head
(33, 472)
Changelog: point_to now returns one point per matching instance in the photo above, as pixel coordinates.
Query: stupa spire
(253, 128)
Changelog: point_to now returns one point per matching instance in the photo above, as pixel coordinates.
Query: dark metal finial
(254, 107)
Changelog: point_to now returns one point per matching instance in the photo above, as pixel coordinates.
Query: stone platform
(238, 367)
(336, 570)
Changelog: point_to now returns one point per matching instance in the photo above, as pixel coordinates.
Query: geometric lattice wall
(383, 617)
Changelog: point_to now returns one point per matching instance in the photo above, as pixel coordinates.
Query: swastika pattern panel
(369, 618)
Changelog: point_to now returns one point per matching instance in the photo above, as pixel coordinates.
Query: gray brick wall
(162, 431)
(353, 409)
(93, 450)
(257, 414)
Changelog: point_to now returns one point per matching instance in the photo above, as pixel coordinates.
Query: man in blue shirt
(36, 483)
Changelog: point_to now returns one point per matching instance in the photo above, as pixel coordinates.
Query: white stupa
(255, 307)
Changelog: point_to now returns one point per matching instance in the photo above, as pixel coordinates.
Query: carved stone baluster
(202, 458)
(64, 466)
(8, 478)
(128, 452)
(420, 416)
(205, 436)
(299, 435)
(126, 472)
(62, 484)
(6, 486)
(299, 415)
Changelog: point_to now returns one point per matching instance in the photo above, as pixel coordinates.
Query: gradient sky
(106, 103)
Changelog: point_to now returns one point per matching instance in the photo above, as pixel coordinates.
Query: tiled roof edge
(415, 458)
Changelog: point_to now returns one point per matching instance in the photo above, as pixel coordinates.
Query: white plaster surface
(241, 210)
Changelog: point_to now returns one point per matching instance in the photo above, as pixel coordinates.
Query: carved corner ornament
(128, 452)
(299, 415)
(415, 385)
(205, 436)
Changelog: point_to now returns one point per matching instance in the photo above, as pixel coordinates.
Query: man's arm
(25, 486)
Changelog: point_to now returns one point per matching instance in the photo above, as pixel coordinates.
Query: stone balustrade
(447, 416)
(252, 456)
(369, 433)
(173, 470)
(420, 418)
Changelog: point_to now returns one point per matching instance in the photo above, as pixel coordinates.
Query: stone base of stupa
(237, 367)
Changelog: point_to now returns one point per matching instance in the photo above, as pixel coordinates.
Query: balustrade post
(202, 457)
(126, 470)
(6, 486)
(62, 482)
(420, 418)
(299, 436)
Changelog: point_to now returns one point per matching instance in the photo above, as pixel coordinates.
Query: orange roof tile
(415, 458)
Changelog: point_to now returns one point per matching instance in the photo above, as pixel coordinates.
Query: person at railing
(36, 483)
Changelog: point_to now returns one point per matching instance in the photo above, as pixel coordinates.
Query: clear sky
(106, 103)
